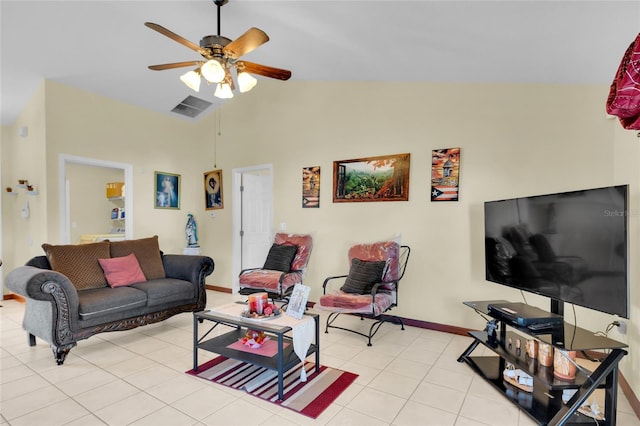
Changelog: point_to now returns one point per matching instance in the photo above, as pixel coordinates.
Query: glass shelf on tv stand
(568, 337)
(544, 404)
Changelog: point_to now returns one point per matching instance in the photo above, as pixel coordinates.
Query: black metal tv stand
(544, 405)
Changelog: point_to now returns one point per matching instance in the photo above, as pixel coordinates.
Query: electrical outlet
(622, 327)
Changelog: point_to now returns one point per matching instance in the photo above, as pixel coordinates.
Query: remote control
(542, 326)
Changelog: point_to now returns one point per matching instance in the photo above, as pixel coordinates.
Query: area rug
(309, 398)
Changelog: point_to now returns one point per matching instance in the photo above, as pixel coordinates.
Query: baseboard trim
(13, 296)
(436, 327)
(218, 288)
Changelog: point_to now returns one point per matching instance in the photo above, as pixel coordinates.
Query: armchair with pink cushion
(285, 266)
(371, 287)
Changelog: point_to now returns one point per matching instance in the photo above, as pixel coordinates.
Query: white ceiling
(104, 47)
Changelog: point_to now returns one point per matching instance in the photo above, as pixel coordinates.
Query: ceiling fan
(221, 56)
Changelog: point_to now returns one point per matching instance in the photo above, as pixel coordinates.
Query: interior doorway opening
(67, 161)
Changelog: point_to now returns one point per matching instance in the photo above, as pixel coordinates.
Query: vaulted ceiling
(104, 47)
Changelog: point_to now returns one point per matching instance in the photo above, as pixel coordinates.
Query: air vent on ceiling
(191, 106)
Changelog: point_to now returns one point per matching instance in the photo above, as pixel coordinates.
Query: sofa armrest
(35, 283)
(187, 267)
(42, 286)
(190, 268)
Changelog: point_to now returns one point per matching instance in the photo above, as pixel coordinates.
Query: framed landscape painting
(383, 178)
(167, 191)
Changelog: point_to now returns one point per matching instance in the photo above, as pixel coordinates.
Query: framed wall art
(213, 190)
(298, 301)
(383, 178)
(445, 174)
(167, 191)
(311, 187)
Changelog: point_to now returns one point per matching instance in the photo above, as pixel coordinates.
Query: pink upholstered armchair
(370, 289)
(285, 266)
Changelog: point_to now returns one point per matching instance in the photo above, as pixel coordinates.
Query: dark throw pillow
(280, 257)
(363, 275)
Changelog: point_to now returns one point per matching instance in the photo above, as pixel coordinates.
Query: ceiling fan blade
(264, 70)
(244, 44)
(183, 41)
(175, 65)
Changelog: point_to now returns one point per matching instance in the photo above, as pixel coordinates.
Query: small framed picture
(213, 190)
(311, 187)
(167, 194)
(445, 174)
(298, 302)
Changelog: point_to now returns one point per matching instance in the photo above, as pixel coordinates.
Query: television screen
(570, 246)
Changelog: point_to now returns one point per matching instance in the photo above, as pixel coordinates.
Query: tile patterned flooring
(137, 378)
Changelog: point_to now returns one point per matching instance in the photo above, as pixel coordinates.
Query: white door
(253, 218)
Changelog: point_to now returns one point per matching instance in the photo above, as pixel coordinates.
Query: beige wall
(515, 140)
(24, 158)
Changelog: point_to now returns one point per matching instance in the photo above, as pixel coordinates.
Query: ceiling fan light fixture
(222, 59)
(213, 71)
(246, 81)
(192, 80)
(223, 91)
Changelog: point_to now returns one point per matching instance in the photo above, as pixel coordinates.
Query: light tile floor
(136, 377)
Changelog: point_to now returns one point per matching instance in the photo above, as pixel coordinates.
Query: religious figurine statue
(191, 231)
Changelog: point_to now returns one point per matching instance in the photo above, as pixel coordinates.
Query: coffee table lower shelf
(220, 345)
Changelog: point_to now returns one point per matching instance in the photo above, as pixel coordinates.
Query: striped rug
(309, 398)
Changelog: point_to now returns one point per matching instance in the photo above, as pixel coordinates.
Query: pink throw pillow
(121, 271)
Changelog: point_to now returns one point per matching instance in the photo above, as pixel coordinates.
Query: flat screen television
(570, 246)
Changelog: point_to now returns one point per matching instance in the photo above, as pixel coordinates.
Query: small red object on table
(257, 301)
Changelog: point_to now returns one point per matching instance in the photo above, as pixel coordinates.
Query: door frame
(236, 226)
(65, 219)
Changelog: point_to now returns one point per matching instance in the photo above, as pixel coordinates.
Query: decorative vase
(563, 364)
(532, 348)
(545, 354)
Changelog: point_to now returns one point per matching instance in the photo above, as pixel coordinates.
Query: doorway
(252, 218)
(66, 161)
